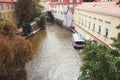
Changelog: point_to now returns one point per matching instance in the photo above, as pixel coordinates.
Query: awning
(78, 37)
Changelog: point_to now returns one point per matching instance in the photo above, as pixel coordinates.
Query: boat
(78, 41)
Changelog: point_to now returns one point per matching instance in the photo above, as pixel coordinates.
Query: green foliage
(42, 20)
(99, 63)
(26, 28)
(26, 14)
(118, 3)
(38, 6)
(116, 41)
(14, 52)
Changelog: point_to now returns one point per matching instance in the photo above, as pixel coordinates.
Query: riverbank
(60, 22)
(33, 32)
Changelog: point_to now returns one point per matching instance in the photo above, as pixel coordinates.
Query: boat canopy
(78, 37)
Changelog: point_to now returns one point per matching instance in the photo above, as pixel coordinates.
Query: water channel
(55, 58)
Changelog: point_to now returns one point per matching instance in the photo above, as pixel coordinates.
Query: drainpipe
(67, 15)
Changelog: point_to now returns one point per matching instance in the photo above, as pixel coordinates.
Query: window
(99, 26)
(58, 12)
(99, 30)
(89, 22)
(94, 22)
(8, 7)
(107, 25)
(3, 16)
(61, 12)
(79, 18)
(85, 20)
(12, 6)
(106, 32)
(82, 19)
(2, 7)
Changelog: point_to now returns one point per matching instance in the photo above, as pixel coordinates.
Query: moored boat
(78, 41)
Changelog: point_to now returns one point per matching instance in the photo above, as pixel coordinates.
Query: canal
(55, 58)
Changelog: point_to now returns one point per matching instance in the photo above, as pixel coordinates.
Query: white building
(97, 20)
(63, 10)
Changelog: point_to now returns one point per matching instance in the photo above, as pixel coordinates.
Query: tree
(96, 64)
(100, 62)
(42, 20)
(118, 3)
(38, 6)
(27, 13)
(116, 53)
(116, 41)
(15, 51)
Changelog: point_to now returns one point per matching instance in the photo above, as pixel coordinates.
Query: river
(55, 58)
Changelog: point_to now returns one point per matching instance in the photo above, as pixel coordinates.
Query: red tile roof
(53, 3)
(109, 8)
(8, 1)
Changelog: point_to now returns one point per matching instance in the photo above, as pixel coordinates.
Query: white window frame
(2, 6)
(85, 20)
(82, 19)
(107, 26)
(100, 26)
(94, 24)
(89, 22)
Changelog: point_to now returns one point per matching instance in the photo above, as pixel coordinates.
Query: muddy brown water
(55, 58)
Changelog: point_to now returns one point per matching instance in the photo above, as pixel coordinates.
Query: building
(62, 8)
(97, 20)
(68, 17)
(45, 3)
(58, 10)
(7, 10)
(94, 19)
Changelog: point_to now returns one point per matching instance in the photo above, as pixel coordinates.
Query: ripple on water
(55, 57)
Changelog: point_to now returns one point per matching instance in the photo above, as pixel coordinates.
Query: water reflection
(38, 38)
(55, 57)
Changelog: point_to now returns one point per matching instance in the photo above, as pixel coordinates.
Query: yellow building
(97, 20)
(7, 10)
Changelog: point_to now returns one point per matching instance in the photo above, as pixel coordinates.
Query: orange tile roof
(109, 8)
(8, 1)
(54, 2)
